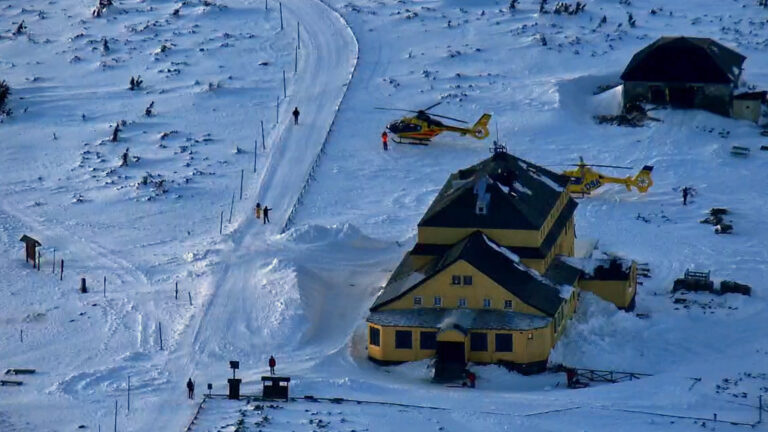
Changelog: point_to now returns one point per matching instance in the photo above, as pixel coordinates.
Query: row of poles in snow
(277, 118)
(311, 175)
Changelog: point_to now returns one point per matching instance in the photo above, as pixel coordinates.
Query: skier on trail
(384, 139)
(686, 192)
(296, 115)
(266, 214)
(272, 364)
(190, 388)
(257, 210)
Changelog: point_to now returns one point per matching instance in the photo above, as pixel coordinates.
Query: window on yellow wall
(403, 339)
(467, 280)
(486, 303)
(503, 342)
(438, 301)
(374, 336)
(428, 340)
(456, 280)
(478, 342)
(508, 304)
(462, 302)
(417, 300)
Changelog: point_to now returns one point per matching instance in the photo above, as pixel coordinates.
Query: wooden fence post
(61, 276)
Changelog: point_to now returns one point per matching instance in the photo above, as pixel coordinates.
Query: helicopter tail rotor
(480, 128)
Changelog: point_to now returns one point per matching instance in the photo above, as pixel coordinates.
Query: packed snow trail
(242, 311)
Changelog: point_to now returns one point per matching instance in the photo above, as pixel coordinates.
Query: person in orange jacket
(384, 139)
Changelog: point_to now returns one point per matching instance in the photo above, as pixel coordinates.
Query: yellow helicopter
(584, 179)
(422, 127)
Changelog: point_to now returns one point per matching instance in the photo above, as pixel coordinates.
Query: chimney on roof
(483, 197)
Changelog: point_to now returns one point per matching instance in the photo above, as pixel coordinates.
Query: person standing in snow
(296, 115)
(384, 139)
(257, 210)
(272, 364)
(266, 214)
(686, 191)
(190, 388)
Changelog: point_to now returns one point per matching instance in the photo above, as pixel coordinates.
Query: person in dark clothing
(266, 214)
(296, 115)
(686, 192)
(384, 139)
(190, 389)
(272, 364)
(471, 377)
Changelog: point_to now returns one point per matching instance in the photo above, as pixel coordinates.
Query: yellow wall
(482, 287)
(525, 349)
(619, 293)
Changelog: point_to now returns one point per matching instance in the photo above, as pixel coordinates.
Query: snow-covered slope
(302, 295)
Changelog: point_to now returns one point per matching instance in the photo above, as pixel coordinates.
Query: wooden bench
(740, 151)
(14, 371)
(10, 382)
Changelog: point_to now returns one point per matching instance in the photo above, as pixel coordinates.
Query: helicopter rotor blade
(432, 106)
(395, 109)
(609, 166)
(448, 118)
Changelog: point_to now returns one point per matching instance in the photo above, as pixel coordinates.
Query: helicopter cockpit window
(408, 127)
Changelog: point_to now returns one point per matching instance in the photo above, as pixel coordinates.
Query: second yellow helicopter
(585, 180)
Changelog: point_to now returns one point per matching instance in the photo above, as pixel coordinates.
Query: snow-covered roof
(469, 319)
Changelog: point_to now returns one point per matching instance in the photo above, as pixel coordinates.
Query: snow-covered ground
(302, 295)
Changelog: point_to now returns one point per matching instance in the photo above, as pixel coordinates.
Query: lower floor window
(478, 342)
(403, 339)
(503, 342)
(428, 340)
(374, 336)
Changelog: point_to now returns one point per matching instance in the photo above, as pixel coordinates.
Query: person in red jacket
(471, 378)
(272, 364)
(384, 139)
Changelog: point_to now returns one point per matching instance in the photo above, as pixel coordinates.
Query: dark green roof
(483, 319)
(494, 261)
(517, 195)
(562, 273)
(685, 59)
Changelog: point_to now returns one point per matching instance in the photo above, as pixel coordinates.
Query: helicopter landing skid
(412, 142)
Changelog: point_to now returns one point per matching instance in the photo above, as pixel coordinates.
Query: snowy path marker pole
(115, 415)
(285, 94)
(21, 335)
(281, 15)
(255, 148)
(177, 290)
(266, 5)
(160, 331)
(277, 110)
(760, 408)
(298, 36)
(105, 286)
(231, 207)
(263, 143)
(296, 61)
(129, 393)
(189, 293)
(61, 276)
(242, 173)
(221, 221)
(53, 263)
